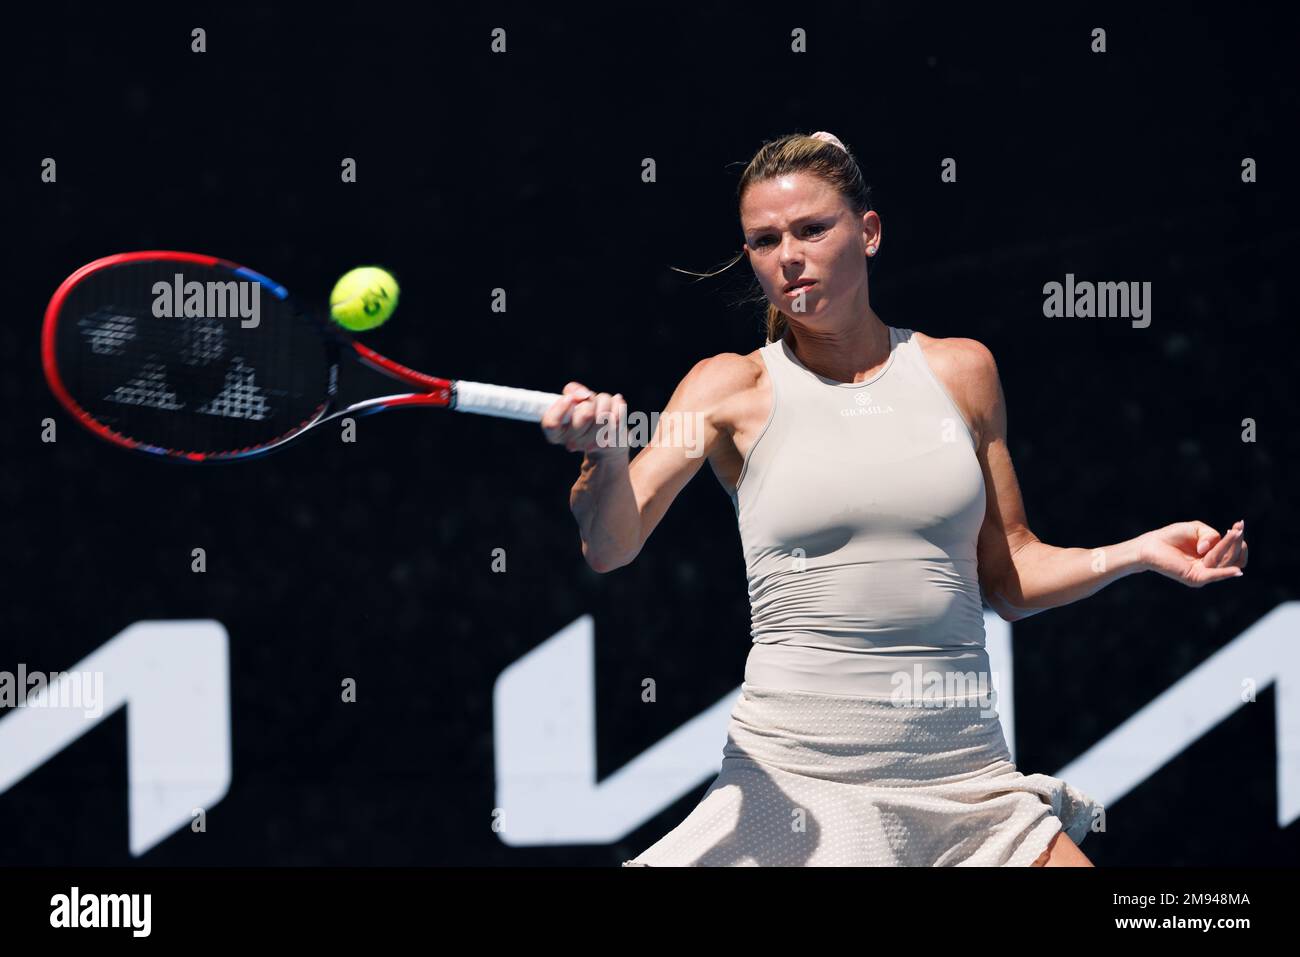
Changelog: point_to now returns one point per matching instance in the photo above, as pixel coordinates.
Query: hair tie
(829, 138)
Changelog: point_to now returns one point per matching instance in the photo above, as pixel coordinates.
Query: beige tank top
(859, 506)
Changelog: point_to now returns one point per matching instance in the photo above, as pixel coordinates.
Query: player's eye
(819, 227)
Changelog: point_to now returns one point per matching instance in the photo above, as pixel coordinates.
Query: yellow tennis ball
(364, 298)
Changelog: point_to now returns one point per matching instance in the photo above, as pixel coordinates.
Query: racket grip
(501, 401)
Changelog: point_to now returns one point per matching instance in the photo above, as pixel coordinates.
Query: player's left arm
(1019, 574)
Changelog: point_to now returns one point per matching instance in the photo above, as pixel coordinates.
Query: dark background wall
(522, 171)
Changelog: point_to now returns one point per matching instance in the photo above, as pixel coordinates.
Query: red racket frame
(436, 392)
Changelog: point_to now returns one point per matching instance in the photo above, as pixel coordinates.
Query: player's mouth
(793, 288)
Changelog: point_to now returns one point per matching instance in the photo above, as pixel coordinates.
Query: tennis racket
(227, 369)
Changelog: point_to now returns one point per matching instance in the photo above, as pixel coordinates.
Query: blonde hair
(826, 158)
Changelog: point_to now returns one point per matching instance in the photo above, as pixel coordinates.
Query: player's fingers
(583, 414)
(1215, 556)
(604, 424)
(618, 413)
(1235, 553)
(1218, 574)
(575, 392)
(587, 426)
(555, 420)
(581, 425)
(1205, 535)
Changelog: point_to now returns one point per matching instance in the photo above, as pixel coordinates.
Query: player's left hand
(1194, 553)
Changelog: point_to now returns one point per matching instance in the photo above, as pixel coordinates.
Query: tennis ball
(364, 298)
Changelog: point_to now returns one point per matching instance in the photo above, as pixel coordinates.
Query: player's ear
(872, 229)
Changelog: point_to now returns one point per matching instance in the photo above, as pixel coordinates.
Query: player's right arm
(616, 502)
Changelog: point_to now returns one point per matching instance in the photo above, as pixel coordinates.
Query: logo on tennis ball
(364, 298)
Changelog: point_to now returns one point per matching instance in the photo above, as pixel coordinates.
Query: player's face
(798, 227)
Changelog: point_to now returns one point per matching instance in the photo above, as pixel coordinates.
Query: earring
(871, 250)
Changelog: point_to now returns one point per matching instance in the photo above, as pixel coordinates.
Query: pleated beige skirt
(811, 779)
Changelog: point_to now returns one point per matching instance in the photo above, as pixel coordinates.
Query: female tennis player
(876, 500)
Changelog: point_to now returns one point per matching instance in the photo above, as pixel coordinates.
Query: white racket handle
(501, 401)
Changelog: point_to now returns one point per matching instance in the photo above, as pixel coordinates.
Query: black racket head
(185, 356)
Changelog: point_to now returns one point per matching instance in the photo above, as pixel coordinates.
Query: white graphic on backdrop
(545, 729)
(173, 679)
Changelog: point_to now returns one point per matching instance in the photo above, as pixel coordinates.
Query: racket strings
(213, 383)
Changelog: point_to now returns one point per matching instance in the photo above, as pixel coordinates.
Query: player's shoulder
(967, 368)
(724, 374)
(965, 357)
(956, 348)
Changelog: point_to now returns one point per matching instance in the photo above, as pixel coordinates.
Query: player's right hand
(582, 421)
